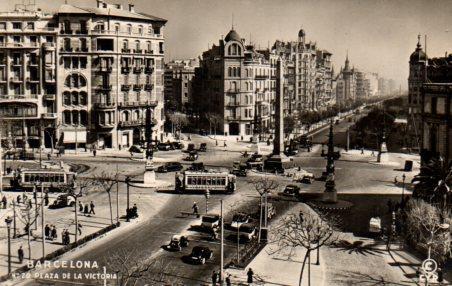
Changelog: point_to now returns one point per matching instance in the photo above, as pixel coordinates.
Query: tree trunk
(309, 269)
(111, 211)
(302, 267)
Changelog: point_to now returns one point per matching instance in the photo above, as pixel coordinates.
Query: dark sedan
(170, 167)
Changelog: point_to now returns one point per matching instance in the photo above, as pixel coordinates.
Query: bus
(215, 182)
(52, 179)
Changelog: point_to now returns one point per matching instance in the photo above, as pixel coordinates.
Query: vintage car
(200, 254)
(303, 176)
(164, 146)
(136, 152)
(191, 147)
(203, 147)
(170, 167)
(177, 145)
(177, 242)
(291, 191)
(192, 156)
(239, 218)
(62, 201)
(210, 221)
(247, 231)
(197, 167)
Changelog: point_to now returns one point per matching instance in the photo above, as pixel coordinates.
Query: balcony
(137, 87)
(84, 49)
(50, 97)
(19, 98)
(233, 103)
(66, 31)
(137, 70)
(105, 105)
(81, 32)
(33, 79)
(125, 70)
(148, 87)
(127, 104)
(125, 87)
(104, 87)
(15, 79)
(107, 69)
(261, 77)
(49, 115)
(106, 124)
(19, 45)
(132, 123)
(232, 90)
(148, 70)
(232, 117)
(49, 46)
(66, 49)
(138, 51)
(127, 51)
(149, 52)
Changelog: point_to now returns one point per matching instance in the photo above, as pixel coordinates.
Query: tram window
(189, 181)
(46, 178)
(204, 181)
(61, 178)
(52, 178)
(208, 181)
(223, 182)
(27, 178)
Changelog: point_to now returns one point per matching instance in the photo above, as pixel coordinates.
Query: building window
(67, 117)
(66, 98)
(17, 39)
(434, 105)
(150, 30)
(30, 26)
(83, 98)
(117, 28)
(161, 47)
(129, 29)
(2, 25)
(17, 25)
(49, 39)
(140, 30)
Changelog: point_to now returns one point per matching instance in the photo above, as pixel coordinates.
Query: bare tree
(178, 121)
(425, 225)
(132, 270)
(105, 181)
(264, 186)
(28, 216)
(308, 231)
(214, 120)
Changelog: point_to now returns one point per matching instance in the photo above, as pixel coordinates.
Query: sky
(379, 35)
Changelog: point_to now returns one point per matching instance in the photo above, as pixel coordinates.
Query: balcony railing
(21, 97)
(137, 87)
(125, 87)
(32, 79)
(49, 115)
(66, 31)
(125, 50)
(105, 87)
(125, 70)
(233, 104)
(132, 123)
(148, 87)
(49, 96)
(15, 79)
(151, 52)
(232, 90)
(105, 105)
(138, 104)
(138, 51)
(261, 77)
(106, 124)
(105, 68)
(230, 117)
(137, 70)
(18, 45)
(148, 70)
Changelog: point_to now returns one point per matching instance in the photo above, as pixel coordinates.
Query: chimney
(100, 3)
(131, 8)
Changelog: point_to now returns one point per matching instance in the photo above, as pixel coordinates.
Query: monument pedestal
(149, 175)
(383, 156)
(330, 193)
(277, 162)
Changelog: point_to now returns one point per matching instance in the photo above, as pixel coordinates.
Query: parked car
(170, 167)
(62, 201)
(190, 147)
(239, 218)
(255, 158)
(202, 132)
(136, 152)
(203, 147)
(177, 145)
(303, 176)
(164, 146)
(210, 221)
(177, 242)
(290, 151)
(197, 167)
(291, 191)
(200, 254)
(247, 232)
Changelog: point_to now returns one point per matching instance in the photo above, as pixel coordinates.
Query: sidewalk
(283, 271)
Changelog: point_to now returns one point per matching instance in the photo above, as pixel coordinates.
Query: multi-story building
(28, 64)
(362, 86)
(178, 81)
(237, 83)
(346, 85)
(94, 75)
(436, 110)
(417, 76)
(313, 82)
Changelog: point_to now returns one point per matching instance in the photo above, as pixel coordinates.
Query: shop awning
(74, 136)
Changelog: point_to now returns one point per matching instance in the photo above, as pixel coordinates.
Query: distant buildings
(81, 77)
(346, 85)
(178, 81)
(236, 84)
(312, 82)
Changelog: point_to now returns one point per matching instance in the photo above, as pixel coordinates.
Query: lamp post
(8, 221)
(127, 209)
(403, 187)
(42, 216)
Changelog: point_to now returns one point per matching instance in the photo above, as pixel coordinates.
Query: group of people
(50, 232)
(216, 278)
(86, 209)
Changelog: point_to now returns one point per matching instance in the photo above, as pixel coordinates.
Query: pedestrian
(249, 274)
(20, 254)
(195, 209)
(30, 204)
(214, 278)
(79, 228)
(48, 156)
(19, 199)
(85, 210)
(373, 153)
(4, 201)
(68, 238)
(228, 280)
(134, 210)
(53, 233)
(362, 150)
(46, 199)
(91, 205)
(47, 231)
(224, 143)
(94, 152)
(80, 206)
(395, 180)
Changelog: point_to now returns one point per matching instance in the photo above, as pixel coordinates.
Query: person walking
(79, 228)
(20, 254)
(249, 275)
(80, 206)
(214, 278)
(46, 199)
(195, 209)
(94, 152)
(53, 233)
(85, 210)
(4, 201)
(63, 236)
(91, 205)
(228, 280)
(19, 199)
(47, 231)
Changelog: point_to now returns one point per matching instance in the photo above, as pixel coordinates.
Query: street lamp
(127, 209)
(42, 214)
(403, 187)
(8, 221)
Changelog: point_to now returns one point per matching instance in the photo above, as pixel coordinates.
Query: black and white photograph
(225, 142)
